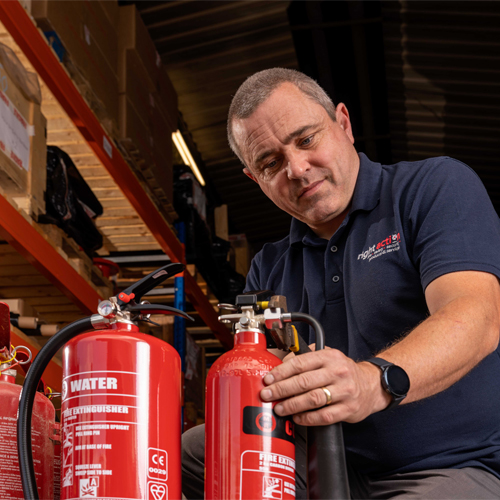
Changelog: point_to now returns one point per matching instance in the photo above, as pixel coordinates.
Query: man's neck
(328, 229)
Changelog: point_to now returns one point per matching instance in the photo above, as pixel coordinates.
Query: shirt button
(335, 279)
(333, 249)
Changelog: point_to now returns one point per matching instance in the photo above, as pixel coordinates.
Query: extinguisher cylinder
(121, 416)
(42, 425)
(249, 450)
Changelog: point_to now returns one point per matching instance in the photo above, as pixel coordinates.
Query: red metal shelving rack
(26, 240)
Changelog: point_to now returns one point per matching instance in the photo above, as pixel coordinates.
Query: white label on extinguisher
(274, 472)
(157, 464)
(100, 415)
(157, 491)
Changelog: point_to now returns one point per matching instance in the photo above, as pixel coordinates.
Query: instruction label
(100, 418)
(272, 473)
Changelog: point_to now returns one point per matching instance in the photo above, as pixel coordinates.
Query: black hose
(326, 463)
(318, 329)
(28, 397)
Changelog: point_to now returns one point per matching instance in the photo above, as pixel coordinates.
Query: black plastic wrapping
(70, 203)
(209, 253)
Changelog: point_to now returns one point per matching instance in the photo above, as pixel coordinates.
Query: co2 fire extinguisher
(43, 423)
(249, 450)
(121, 403)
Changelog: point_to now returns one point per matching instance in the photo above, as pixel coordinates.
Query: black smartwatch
(395, 380)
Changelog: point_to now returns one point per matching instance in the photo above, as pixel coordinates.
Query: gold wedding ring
(328, 395)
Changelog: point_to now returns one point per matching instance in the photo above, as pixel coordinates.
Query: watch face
(397, 380)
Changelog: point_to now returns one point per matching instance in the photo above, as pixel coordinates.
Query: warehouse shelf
(20, 233)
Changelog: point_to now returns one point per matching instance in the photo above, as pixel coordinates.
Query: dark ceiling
(420, 79)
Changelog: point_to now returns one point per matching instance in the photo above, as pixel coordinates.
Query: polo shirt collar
(366, 197)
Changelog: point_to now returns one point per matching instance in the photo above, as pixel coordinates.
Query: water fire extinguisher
(249, 450)
(121, 403)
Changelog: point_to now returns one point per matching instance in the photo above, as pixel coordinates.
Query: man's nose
(297, 166)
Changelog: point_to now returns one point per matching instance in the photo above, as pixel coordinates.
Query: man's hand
(355, 388)
(462, 330)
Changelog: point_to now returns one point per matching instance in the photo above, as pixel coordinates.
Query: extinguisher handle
(147, 283)
(157, 309)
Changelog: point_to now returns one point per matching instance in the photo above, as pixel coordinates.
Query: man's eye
(270, 165)
(307, 141)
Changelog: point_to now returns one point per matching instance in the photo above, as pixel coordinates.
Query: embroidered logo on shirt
(390, 244)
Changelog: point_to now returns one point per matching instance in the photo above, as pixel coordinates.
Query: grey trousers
(464, 484)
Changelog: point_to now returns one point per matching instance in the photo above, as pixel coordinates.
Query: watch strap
(383, 365)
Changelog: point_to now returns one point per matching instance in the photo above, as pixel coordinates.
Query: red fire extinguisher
(121, 403)
(249, 450)
(43, 423)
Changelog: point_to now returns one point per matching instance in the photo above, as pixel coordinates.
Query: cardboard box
(135, 83)
(161, 130)
(134, 132)
(20, 306)
(163, 167)
(168, 100)
(242, 253)
(101, 31)
(149, 149)
(138, 61)
(133, 34)
(91, 49)
(110, 8)
(23, 150)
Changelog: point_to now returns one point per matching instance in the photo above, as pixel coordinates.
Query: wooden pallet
(20, 280)
(77, 258)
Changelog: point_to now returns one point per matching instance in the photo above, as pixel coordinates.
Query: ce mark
(160, 460)
(157, 464)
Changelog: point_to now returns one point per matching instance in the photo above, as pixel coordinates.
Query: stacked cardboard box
(87, 31)
(148, 101)
(23, 150)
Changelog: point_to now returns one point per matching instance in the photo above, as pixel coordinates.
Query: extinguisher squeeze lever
(128, 305)
(134, 293)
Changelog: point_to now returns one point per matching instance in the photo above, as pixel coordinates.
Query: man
(399, 263)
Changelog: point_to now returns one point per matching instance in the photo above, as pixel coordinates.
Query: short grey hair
(258, 87)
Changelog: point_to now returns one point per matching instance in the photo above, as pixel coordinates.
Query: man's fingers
(324, 416)
(310, 400)
(299, 364)
(294, 386)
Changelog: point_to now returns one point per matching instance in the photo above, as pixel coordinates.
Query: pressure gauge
(106, 309)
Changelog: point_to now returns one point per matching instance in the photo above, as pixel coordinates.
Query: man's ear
(343, 119)
(247, 172)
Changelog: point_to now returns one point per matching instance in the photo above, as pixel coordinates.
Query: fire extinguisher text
(86, 384)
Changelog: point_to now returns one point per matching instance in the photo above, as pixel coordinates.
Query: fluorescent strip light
(186, 155)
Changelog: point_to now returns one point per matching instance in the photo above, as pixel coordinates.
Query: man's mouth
(310, 189)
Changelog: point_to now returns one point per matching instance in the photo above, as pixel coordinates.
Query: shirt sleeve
(452, 222)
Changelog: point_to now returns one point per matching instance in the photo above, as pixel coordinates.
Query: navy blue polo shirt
(409, 224)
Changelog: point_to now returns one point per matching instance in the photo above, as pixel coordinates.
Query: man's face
(302, 160)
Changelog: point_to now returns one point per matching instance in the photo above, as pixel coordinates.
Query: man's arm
(463, 328)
